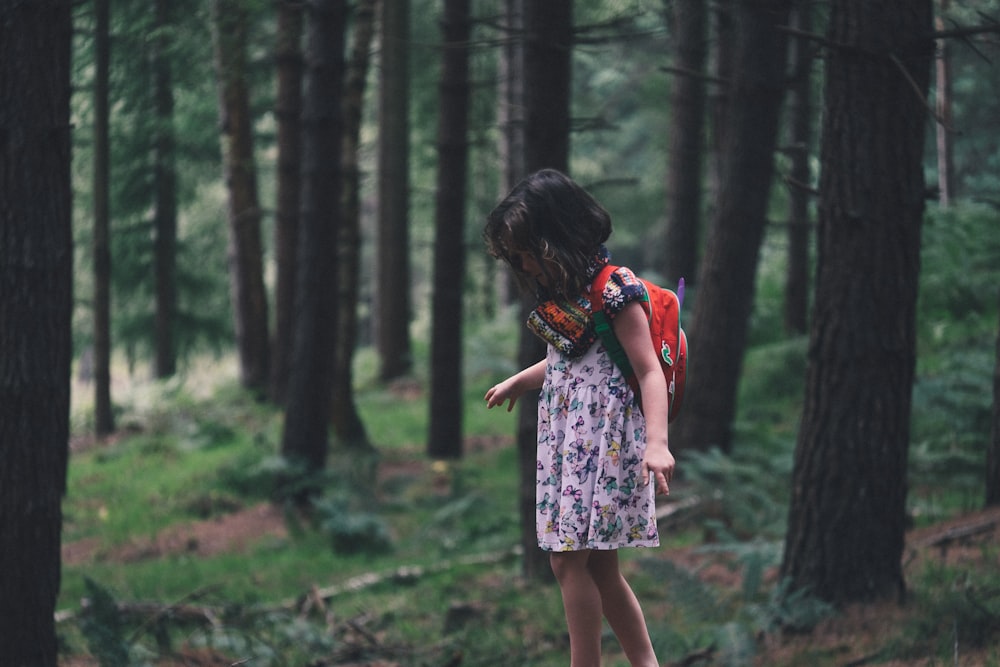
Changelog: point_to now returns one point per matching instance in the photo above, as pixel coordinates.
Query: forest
(248, 317)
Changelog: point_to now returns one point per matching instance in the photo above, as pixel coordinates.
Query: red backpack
(663, 308)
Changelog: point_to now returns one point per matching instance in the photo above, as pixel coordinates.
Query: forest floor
(855, 635)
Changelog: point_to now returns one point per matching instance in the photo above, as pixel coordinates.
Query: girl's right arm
(512, 388)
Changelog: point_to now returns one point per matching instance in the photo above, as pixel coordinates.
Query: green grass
(196, 448)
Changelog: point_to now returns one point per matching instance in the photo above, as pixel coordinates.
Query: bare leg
(582, 605)
(621, 608)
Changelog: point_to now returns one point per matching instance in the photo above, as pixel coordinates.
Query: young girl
(602, 457)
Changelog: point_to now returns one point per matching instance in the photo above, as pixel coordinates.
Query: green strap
(614, 348)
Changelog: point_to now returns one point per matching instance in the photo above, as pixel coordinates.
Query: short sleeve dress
(591, 441)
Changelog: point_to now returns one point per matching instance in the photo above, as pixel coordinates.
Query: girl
(601, 457)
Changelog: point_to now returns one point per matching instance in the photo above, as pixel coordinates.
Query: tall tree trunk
(288, 107)
(847, 516)
(104, 420)
(548, 52)
(165, 193)
(510, 120)
(310, 387)
(722, 57)
(726, 277)
(392, 294)
(246, 255)
(347, 422)
(945, 144)
(445, 435)
(687, 146)
(800, 144)
(36, 302)
(993, 452)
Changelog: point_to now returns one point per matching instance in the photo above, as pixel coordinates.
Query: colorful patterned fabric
(591, 441)
(568, 326)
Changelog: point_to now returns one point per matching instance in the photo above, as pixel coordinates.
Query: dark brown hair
(552, 218)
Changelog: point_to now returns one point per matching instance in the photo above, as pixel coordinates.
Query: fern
(103, 628)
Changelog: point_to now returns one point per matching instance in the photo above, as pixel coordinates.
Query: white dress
(591, 440)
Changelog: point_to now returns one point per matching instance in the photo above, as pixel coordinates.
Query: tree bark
(510, 120)
(246, 254)
(548, 51)
(346, 421)
(800, 145)
(687, 146)
(165, 193)
(445, 433)
(847, 515)
(726, 277)
(993, 452)
(310, 388)
(288, 107)
(36, 302)
(945, 143)
(392, 295)
(104, 420)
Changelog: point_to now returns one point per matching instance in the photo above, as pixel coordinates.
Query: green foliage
(961, 611)
(103, 627)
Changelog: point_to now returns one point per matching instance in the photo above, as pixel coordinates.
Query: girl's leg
(582, 605)
(621, 608)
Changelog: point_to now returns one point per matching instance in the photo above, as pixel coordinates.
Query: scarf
(565, 323)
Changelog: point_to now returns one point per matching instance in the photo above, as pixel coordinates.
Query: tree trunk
(687, 147)
(288, 107)
(847, 515)
(800, 144)
(726, 277)
(945, 144)
(510, 120)
(310, 387)
(548, 51)
(720, 95)
(165, 193)
(993, 452)
(36, 303)
(392, 293)
(445, 434)
(246, 255)
(104, 420)
(346, 421)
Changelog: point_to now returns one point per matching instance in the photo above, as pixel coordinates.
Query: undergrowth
(423, 568)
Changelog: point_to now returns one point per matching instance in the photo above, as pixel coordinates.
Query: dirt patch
(228, 533)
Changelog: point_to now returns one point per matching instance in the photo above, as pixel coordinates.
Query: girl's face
(525, 262)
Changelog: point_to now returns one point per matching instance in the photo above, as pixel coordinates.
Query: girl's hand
(504, 391)
(658, 467)
(512, 388)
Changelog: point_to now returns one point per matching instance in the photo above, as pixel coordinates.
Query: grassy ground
(175, 513)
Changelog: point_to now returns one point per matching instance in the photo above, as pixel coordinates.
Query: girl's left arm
(632, 330)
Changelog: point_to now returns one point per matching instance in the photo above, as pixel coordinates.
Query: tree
(993, 452)
(548, 50)
(726, 277)
(445, 434)
(847, 515)
(36, 301)
(310, 387)
(686, 131)
(393, 299)
(104, 421)
(347, 422)
(288, 105)
(246, 256)
(945, 145)
(800, 114)
(164, 192)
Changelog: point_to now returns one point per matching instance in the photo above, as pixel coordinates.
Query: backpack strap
(602, 325)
